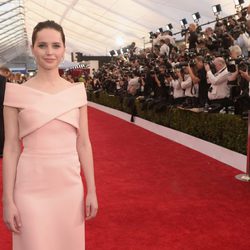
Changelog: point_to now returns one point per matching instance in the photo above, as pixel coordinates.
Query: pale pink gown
(49, 192)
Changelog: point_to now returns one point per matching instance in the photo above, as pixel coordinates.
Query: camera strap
(217, 73)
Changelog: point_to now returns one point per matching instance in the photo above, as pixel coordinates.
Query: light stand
(216, 10)
(238, 4)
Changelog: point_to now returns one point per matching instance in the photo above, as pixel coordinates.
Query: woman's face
(48, 49)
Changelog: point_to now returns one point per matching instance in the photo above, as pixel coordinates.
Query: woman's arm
(11, 152)
(194, 78)
(84, 150)
(187, 83)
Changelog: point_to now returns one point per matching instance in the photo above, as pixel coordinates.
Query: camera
(210, 89)
(170, 72)
(208, 59)
(241, 62)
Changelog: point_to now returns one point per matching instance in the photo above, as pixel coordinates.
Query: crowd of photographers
(209, 70)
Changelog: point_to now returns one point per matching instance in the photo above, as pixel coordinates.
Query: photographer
(192, 36)
(176, 89)
(210, 39)
(191, 88)
(133, 84)
(245, 75)
(160, 80)
(4, 77)
(234, 79)
(242, 101)
(224, 38)
(200, 78)
(164, 49)
(246, 37)
(219, 91)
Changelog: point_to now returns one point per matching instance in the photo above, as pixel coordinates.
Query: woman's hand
(91, 205)
(11, 217)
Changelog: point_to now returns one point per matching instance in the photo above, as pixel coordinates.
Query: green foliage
(226, 130)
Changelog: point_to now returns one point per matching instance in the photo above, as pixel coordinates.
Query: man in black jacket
(193, 36)
(4, 74)
(203, 84)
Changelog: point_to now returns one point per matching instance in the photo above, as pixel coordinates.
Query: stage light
(112, 53)
(183, 22)
(125, 50)
(216, 9)
(196, 16)
(238, 2)
(152, 35)
(160, 30)
(118, 52)
(169, 26)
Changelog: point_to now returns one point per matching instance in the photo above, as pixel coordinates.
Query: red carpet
(156, 194)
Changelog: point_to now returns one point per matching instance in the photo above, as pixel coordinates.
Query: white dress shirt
(190, 89)
(219, 84)
(178, 91)
(164, 50)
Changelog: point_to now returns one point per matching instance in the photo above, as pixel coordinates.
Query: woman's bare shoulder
(31, 82)
(28, 82)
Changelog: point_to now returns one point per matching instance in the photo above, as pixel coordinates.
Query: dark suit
(2, 91)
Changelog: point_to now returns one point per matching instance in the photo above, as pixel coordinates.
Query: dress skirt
(49, 195)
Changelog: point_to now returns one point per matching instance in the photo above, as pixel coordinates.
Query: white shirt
(219, 85)
(178, 91)
(242, 45)
(134, 82)
(190, 89)
(156, 41)
(164, 50)
(246, 40)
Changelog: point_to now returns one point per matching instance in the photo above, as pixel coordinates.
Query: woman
(43, 193)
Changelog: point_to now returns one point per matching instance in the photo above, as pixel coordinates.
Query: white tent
(95, 27)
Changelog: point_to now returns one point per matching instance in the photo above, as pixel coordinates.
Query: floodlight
(183, 22)
(125, 50)
(119, 52)
(112, 53)
(238, 2)
(169, 26)
(160, 30)
(216, 9)
(196, 16)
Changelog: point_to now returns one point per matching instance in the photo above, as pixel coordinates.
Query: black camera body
(241, 63)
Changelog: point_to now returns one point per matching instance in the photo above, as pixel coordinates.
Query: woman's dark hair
(47, 24)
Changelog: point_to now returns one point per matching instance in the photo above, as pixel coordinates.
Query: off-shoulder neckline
(44, 92)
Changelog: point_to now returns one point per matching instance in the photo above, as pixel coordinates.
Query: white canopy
(95, 27)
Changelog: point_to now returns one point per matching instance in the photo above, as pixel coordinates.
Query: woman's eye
(56, 46)
(41, 45)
